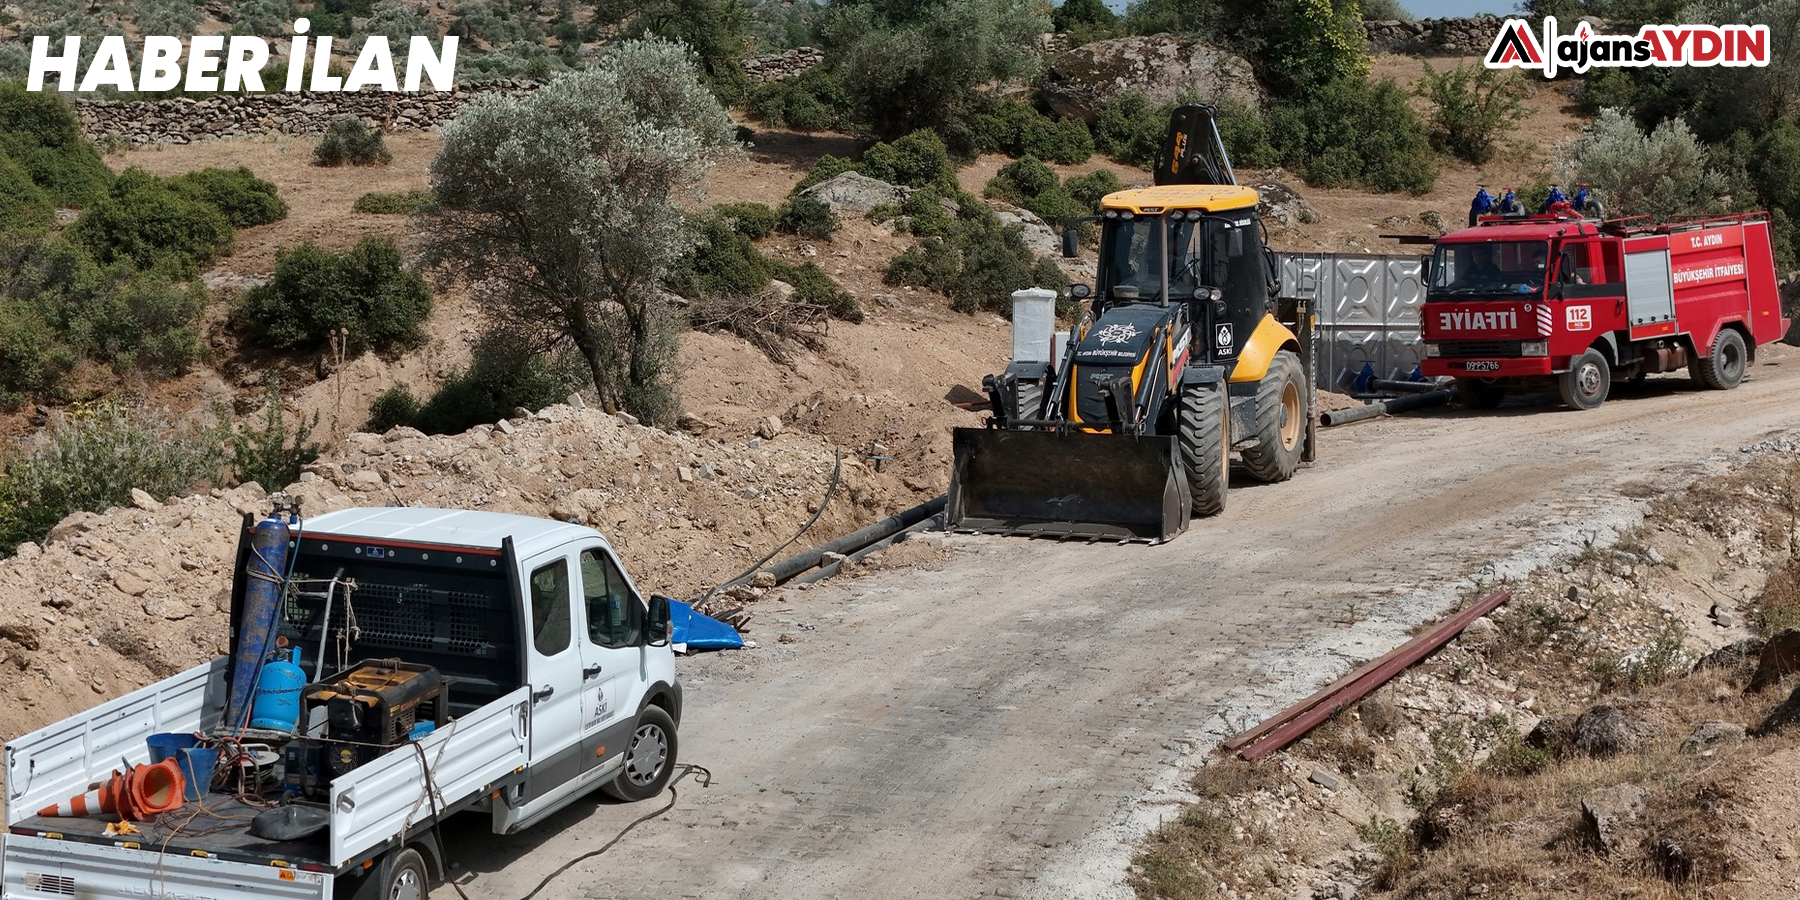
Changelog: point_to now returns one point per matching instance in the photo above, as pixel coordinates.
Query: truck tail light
(1534, 348)
(1433, 351)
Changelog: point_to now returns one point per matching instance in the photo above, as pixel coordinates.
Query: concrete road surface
(1008, 721)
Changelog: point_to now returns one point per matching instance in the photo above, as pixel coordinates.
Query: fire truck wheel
(1587, 382)
(1724, 370)
(1478, 394)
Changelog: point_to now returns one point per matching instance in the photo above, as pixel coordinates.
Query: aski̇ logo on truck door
(1478, 320)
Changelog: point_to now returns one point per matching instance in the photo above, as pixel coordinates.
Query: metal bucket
(1076, 486)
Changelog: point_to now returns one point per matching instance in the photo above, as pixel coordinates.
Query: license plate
(1482, 365)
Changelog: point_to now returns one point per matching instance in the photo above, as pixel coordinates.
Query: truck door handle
(541, 696)
(590, 671)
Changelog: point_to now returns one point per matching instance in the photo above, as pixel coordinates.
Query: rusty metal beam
(1292, 723)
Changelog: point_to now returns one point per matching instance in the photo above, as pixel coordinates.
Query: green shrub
(752, 220)
(926, 212)
(24, 207)
(807, 218)
(1030, 184)
(1471, 107)
(815, 100)
(504, 373)
(978, 265)
(1131, 131)
(349, 142)
(1355, 132)
(1085, 21)
(1019, 129)
(394, 204)
(723, 263)
(827, 168)
(34, 361)
(94, 461)
(395, 406)
(115, 314)
(813, 285)
(315, 292)
(1089, 189)
(919, 159)
(1245, 132)
(146, 323)
(38, 130)
(244, 198)
(268, 455)
(145, 221)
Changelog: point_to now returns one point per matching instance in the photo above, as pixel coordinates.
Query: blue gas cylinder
(277, 706)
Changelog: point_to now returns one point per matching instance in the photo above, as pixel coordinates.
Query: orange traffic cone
(154, 789)
(104, 798)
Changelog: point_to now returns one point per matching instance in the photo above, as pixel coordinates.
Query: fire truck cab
(1517, 301)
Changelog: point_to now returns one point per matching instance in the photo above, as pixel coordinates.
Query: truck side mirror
(1071, 243)
(656, 629)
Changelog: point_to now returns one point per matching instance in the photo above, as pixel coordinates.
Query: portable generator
(369, 710)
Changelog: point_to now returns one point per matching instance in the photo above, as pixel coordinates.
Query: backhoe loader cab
(1182, 360)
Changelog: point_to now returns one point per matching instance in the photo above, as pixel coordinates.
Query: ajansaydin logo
(1654, 45)
(214, 62)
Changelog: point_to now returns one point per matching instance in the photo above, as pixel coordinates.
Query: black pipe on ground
(1385, 407)
(1405, 387)
(855, 540)
(826, 571)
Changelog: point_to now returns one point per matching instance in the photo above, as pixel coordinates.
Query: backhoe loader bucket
(1077, 486)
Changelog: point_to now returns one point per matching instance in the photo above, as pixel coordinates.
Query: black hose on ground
(1385, 407)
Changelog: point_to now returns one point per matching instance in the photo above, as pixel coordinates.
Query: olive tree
(560, 207)
(1662, 173)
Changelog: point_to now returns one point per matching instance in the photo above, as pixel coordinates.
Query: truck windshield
(1490, 268)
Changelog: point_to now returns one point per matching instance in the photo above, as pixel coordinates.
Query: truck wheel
(1724, 370)
(649, 757)
(402, 876)
(1475, 393)
(1281, 413)
(1204, 437)
(1030, 398)
(1587, 382)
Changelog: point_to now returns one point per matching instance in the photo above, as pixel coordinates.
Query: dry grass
(1229, 776)
(1778, 607)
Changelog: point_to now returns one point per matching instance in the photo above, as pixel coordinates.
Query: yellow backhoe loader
(1126, 426)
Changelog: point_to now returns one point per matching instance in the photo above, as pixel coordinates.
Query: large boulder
(1780, 658)
(1783, 716)
(1609, 816)
(1281, 207)
(853, 194)
(1607, 730)
(1162, 67)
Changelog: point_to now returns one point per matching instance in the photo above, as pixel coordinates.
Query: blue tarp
(699, 631)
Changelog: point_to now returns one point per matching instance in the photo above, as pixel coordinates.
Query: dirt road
(1005, 723)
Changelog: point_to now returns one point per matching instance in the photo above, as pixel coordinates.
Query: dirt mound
(118, 599)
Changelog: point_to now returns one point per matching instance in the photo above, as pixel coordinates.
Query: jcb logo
(1579, 318)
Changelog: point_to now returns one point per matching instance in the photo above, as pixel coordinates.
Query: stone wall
(180, 121)
(782, 66)
(1433, 37)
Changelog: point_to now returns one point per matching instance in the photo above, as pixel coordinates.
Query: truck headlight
(1534, 348)
(1433, 351)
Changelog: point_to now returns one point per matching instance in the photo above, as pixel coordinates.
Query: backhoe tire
(1587, 382)
(1281, 412)
(1724, 369)
(1475, 393)
(1203, 435)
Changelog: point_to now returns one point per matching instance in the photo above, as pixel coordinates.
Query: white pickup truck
(559, 679)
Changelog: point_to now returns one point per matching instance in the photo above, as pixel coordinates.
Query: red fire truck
(1522, 299)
